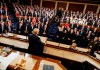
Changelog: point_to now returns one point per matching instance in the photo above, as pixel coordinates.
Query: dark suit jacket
(41, 30)
(30, 29)
(11, 27)
(4, 29)
(35, 45)
(95, 47)
(20, 29)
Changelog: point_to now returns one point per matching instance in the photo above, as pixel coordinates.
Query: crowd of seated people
(69, 28)
(3, 9)
(6, 27)
(79, 28)
(88, 18)
(82, 35)
(4, 13)
(72, 27)
(34, 17)
(5, 20)
(24, 10)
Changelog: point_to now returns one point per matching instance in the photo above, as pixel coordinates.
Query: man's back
(35, 45)
(33, 39)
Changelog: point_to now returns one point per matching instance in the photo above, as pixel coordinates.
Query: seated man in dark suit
(35, 44)
(94, 45)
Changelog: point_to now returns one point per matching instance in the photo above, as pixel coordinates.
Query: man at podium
(35, 43)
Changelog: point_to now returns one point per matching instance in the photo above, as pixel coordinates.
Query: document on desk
(5, 61)
(48, 67)
(1, 60)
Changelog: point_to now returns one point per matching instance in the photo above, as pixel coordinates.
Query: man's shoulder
(30, 35)
(33, 35)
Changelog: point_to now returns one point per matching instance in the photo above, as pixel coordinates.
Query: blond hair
(35, 31)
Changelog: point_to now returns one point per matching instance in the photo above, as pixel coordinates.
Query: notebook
(48, 67)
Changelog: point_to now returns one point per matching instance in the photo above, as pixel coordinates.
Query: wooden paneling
(25, 2)
(48, 4)
(1, 0)
(91, 8)
(76, 7)
(13, 0)
(21, 2)
(6, 1)
(82, 1)
(36, 2)
(61, 5)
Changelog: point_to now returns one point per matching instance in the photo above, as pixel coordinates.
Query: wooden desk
(13, 42)
(64, 46)
(52, 43)
(55, 52)
(43, 39)
(49, 63)
(33, 62)
(36, 63)
(78, 48)
(30, 62)
(72, 56)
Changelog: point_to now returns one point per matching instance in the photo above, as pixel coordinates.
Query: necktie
(2, 28)
(32, 27)
(26, 27)
(72, 26)
(20, 27)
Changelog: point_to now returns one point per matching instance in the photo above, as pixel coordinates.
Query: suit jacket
(26, 29)
(29, 14)
(73, 26)
(9, 28)
(95, 47)
(41, 30)
(30, 28)
(3, 30)
(21, 29)
(77, 39)
(35, 44)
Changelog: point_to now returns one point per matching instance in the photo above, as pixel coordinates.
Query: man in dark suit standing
(59, 13)
(31, 26)
(20, 28)
(9, 27)
(35, 44)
